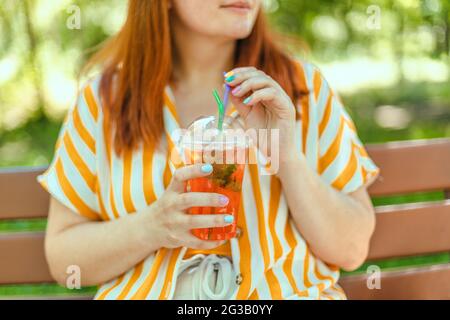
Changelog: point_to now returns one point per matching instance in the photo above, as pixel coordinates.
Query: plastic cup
(227, 152)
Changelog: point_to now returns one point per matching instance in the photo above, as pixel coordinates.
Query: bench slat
(431, 282)
(404, 230)
(22, 258)
(411, 166)
(408, 166)
(21, 196)
(413, 229)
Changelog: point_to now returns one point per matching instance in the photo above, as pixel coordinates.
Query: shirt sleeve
(71, 177)
(343, 161)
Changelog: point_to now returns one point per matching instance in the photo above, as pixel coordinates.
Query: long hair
(137, 65)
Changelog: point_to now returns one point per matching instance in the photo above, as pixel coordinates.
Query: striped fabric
(271, 257)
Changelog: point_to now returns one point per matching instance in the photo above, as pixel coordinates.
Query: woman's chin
(240, 32)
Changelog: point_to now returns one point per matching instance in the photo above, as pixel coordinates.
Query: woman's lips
(238, 7)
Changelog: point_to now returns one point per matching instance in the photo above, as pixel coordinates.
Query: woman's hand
(104, 250)
(169, 221)
(263, 104)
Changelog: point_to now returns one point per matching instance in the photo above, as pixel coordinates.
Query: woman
(118, 208)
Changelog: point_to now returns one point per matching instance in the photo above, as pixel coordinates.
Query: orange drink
(228, 158)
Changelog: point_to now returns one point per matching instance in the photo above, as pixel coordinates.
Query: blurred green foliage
(336, 28)
(41, 55)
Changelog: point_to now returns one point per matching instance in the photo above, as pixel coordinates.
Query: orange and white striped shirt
(270, 257)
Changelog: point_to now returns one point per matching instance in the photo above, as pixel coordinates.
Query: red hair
(137, 66)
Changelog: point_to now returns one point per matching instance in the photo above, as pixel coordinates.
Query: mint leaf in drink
(223, 176)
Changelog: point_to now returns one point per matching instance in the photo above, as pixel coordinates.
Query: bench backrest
(402, 230)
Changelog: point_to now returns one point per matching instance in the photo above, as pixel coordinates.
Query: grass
(46, 289)
(28, 225)
(400, 263)
(409, 198)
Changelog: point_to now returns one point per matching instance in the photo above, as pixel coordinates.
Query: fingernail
(247, 101)
(236, 90)
(207, 168)
(230, 79)
(224, 200)
(228, 74)
(228, 219)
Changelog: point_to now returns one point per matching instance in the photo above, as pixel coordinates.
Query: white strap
(202, 277)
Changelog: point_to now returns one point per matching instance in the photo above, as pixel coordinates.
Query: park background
(389, 60)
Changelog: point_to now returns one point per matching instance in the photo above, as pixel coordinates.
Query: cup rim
(245, 144)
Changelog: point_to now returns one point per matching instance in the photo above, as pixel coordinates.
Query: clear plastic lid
(204, 132)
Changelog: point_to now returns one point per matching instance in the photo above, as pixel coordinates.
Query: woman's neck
(199, 59)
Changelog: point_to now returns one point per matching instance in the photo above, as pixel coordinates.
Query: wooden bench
(402, 230)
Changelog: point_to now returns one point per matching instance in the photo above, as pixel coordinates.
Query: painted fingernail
(228, 74)
(224, 200)
(228, 219)
(247, 100)
(230, 79)
(236, 90)
(207, 168)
